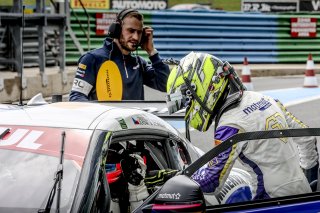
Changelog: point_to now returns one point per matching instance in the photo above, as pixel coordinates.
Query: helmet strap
(187, 121)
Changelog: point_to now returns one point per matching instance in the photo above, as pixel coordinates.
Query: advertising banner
(309, 5)
(280, 6)
(91, 4)
(304, 27)
(139, 4)
(268, 6)
(103, 21)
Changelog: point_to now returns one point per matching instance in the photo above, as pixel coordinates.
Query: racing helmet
(199, 83)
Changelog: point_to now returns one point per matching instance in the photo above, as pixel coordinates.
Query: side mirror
(178, 194)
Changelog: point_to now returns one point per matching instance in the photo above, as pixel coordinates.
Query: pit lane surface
(302, 102)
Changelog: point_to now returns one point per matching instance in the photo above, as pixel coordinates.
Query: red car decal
(47, 141)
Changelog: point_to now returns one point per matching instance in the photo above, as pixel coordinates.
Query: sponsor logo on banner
(309, 5)
(139, 4)
(103, 21)
(269, 6)
(303, 27)
(93, 4)
(280, 5)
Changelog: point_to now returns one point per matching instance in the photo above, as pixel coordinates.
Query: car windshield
(29, 158)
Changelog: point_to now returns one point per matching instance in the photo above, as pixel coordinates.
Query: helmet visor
(176, 101)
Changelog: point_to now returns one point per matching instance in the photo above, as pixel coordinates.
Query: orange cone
(246, 75)
(310, 80)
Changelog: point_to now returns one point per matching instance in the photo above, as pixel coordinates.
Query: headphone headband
(124, 13)
(115, 27)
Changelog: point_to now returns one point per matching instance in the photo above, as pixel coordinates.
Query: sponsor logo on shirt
(260, 105)
(213, 162)
(82, 66)
(81, 86)
(80, 72)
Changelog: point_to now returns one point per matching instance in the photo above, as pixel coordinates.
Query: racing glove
(312, 176)
(134, 171)
(157, 178)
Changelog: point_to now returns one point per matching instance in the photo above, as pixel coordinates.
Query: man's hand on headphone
(147, 41)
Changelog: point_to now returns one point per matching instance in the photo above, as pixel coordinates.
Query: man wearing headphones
(112, 72)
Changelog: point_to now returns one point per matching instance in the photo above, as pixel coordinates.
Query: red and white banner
(303, 27)
(103, 21)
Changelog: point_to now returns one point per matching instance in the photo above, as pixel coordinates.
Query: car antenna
(21, 74)
(57, 182)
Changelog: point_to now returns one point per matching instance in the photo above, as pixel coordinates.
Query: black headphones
(115, 27)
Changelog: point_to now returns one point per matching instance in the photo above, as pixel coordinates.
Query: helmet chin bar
(189, 86)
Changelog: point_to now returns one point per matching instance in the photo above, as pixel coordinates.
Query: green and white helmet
(198, 84)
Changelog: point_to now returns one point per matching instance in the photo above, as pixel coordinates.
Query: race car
(65, 156)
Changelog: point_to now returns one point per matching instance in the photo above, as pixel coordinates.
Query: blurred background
(43, 39)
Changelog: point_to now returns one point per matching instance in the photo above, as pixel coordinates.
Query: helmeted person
(210, 90)
(98, 77)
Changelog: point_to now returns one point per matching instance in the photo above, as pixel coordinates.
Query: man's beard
(125, 47)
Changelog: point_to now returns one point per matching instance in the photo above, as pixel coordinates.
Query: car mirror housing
(180, 194)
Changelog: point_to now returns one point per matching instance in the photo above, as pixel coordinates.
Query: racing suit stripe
(211, 175)
(306, 145)
(284, 109)
(261, 191)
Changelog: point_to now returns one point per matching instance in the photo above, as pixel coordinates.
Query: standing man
(112, 72)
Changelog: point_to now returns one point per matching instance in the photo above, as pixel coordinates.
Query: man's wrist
(153, 52)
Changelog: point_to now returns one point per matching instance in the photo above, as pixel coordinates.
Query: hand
(147, 45)
(159, 177)
(133, 169)
(312, 173)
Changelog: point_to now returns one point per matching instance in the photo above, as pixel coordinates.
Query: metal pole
(40, 8)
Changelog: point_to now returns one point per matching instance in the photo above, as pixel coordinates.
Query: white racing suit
(274, 164)
(138, 191)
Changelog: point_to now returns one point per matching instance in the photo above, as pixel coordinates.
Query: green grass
(227, 5)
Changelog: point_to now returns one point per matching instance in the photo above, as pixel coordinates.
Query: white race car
(60, 156)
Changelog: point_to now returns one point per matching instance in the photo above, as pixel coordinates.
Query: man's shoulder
(95, 54)
(99, 52)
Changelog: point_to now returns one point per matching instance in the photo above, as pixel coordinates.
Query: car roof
(80, 115)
